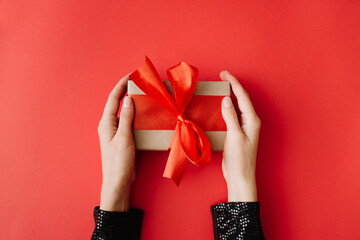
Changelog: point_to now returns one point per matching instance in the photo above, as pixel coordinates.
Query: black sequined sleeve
(237, 220)
(117, 225)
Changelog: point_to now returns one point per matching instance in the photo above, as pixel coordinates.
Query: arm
(239, 218)
(113, 218)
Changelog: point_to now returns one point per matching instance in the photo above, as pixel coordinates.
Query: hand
(117, 150)
(240, 148)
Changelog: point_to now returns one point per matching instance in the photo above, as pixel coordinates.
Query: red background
(299, 61)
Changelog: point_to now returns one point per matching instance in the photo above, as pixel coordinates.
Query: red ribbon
(189, 141)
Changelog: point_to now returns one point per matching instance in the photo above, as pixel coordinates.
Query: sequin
(237, 220)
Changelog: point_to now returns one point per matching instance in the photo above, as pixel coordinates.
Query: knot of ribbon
(181, 117)
(189, 142)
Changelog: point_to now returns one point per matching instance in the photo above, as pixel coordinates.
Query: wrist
(242, 190)
(115, 199)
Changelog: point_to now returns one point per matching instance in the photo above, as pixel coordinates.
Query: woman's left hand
(117, 150)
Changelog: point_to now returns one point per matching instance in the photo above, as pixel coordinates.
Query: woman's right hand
(240, 148)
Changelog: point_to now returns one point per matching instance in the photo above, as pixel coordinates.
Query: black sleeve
(117, 225)
(237, 220)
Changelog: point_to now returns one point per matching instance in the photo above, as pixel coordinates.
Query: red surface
(299, 61)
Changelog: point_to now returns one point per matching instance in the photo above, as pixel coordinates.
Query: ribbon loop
(189, 142)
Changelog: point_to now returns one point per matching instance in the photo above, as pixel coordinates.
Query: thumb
(230, 116)
(126, 118)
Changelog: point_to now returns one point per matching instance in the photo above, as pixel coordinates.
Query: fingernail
(127, 102)
(225, 74)
(227, 102)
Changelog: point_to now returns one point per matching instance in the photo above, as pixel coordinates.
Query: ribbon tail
(175, 135)
(176, 163)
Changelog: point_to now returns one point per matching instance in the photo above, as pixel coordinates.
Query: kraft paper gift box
(154, 125)
(182, 115)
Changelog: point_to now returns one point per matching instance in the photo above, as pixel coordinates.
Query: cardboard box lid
(209, 88)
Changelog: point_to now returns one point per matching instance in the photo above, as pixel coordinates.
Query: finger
(242, 96)
(126, 118)
(230, 116)
(250, 122)
(112, 104)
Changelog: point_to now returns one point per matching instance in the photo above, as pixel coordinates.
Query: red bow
(189, 141)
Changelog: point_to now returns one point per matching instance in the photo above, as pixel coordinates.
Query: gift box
(182, 115)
